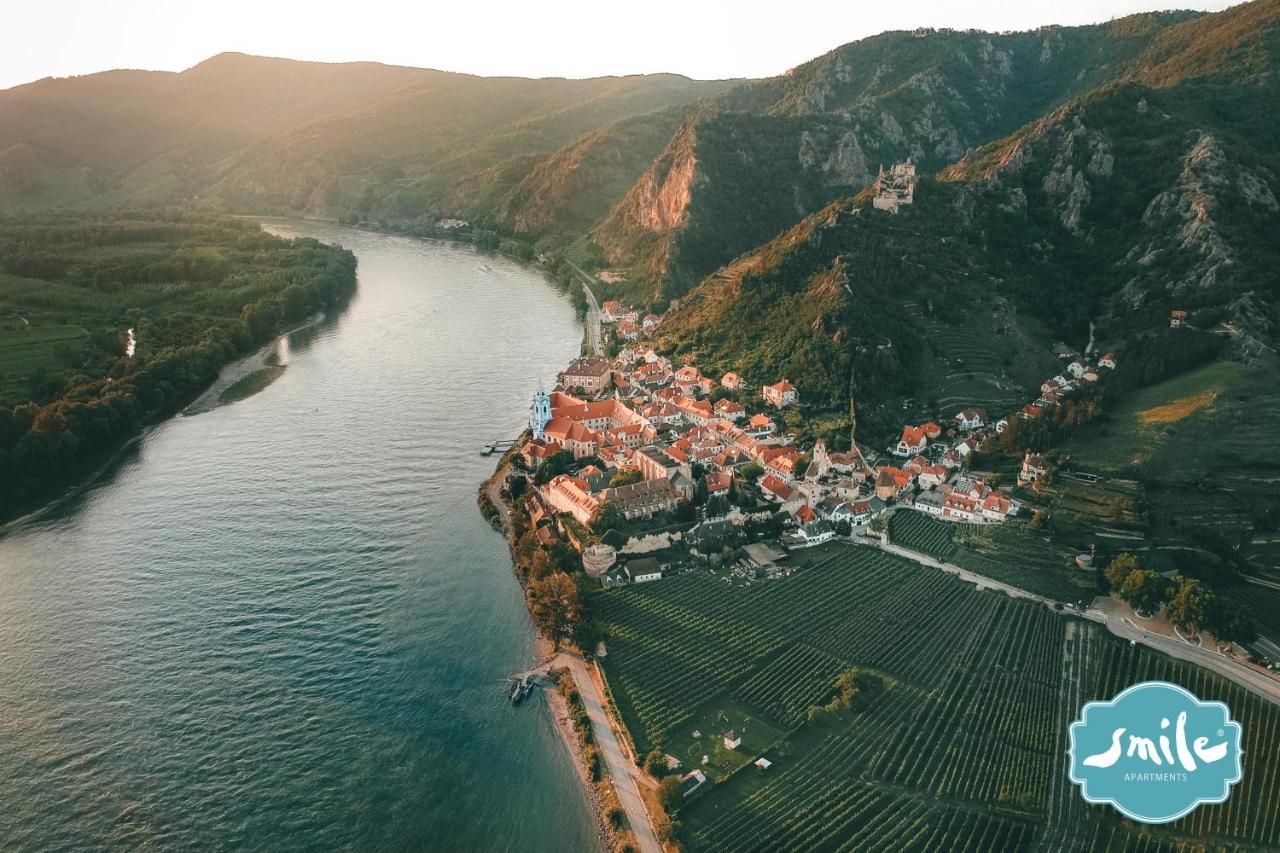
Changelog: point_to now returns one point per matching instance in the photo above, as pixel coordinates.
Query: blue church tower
(540, 413)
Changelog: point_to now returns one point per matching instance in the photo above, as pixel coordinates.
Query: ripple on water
(282, 625)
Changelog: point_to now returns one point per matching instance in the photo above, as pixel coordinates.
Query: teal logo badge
(1155, 752)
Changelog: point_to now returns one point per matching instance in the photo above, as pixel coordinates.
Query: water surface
(282, 624)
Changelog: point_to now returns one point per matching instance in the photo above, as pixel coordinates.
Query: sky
(705, 39)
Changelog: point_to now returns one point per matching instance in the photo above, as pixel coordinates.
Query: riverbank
(233, 381)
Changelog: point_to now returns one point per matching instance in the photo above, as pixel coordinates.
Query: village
(644, 466)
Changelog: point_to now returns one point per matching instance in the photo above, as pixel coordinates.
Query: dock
(499, 446)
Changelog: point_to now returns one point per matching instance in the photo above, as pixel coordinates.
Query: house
(961, 507)
(913, 441)
(932, 475)
(651, 321)
(776, 490)
(763, 763)
(760, 426)
(780, 394)
(929, 502)
(891, 482)
(729, 409)
(643, 499)
(1002, 425)
(718, 483)
(1033, 468)
(570, 495)
(1076, 369)
(732, 740)
(732, 381)
(1177, 318)
(611, 310)
(855, 512)
(969, 419)
(591, 374)
(816, 532)
(643, 570)
(931, 430)
(805, 514)
(628, 331)
(1108, 361)
(997, 507)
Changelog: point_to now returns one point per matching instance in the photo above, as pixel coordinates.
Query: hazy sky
(572, 38)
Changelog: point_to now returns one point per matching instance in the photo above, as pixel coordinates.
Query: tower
(539, 412)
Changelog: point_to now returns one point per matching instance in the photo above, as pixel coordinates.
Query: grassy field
(1146, 418)
(964, 748)
(27, 350)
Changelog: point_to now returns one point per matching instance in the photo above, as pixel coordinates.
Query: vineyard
(1005, 552)
(964, 749)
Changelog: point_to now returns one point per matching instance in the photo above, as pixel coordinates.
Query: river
(283, 624)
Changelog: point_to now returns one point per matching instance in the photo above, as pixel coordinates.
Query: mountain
(1152, 192)
(257, 134)
(760, 157)
(130, 135)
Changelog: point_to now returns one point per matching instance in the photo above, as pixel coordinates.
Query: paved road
(593, 311)
(1247, 677)
(621, 769)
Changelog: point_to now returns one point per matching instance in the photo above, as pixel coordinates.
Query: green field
(27, 350)
(964, 749)
(1147, 417)
(1007, 552)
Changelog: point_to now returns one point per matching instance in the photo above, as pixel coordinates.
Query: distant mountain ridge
(276, 135)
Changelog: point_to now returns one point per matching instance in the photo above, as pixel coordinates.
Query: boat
(486, 268)
(520, 689)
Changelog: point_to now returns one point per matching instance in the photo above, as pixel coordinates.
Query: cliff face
(822, 130)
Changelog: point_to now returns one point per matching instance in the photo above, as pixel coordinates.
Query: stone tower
(540, 413)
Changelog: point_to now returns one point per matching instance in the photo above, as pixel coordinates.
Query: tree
(1145, 590)
(557, 463)
(606, 517)
(1120, 568)
(671, 793)
(1190, 605)
(626, 478)
(684, 512)
(843, 528)
(556, 606)
(751, 471)
(655, 763)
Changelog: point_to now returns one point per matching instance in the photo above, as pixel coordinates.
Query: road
(1247, 677)
(623, 771)
(593, 310)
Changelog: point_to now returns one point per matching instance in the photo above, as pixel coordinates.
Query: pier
(500, 446)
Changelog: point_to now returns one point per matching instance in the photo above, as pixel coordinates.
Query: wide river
(283, 624)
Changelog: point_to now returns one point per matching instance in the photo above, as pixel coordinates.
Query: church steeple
(539, 413)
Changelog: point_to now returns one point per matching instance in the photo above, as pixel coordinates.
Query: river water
(283, 624)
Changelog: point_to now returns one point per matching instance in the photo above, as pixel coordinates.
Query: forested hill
(257, 134)
(198, 291)
(1153, 193)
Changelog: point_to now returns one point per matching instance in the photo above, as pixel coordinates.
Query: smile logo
(1155, 752)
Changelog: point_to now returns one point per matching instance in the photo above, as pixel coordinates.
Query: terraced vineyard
(919, 532)
(1005, 552)
(963, 749)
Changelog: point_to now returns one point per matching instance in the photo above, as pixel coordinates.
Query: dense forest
(194, 292)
